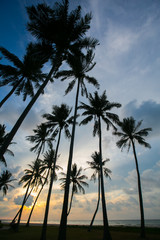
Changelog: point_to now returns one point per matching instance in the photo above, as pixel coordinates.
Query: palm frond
(11, 57)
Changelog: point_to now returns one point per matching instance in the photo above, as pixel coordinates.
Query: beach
(78, 232)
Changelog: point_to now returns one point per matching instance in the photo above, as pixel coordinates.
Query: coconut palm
(99, 109)
(80, 65)
(46, 170)
(129, 136)
(5, 180)
(57, 122)
(95, 166)
(58, 32)
(32, 175)
(21, 75)
(32, 178)
(77, 181)
(3, 136)
(41, 137)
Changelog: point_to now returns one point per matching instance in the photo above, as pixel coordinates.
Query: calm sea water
(148, 222)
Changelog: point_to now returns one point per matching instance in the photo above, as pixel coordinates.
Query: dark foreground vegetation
(79, 233)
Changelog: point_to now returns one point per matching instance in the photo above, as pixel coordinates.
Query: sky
(128, 68)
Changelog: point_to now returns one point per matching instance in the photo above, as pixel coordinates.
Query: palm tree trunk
(28, 221)
(27, 109)
(70, 202)
(13, 221)
(90, 226)
(10, 93)
(140, 194)
(106, 232)
(63, 222)
(44, 227)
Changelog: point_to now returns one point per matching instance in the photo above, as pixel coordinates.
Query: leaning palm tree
(95, 166)
(129, 135)
(58, 121)
(80, 65)
(58, 32)
(5, 180)
(3, 137)
(99, 109)
(46, 170)
(77, 181)
(23, 75)
(33, 179)
(41, 137)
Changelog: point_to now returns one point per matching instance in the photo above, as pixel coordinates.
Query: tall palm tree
(77, 181)
(80, 65)
(129, 135)
(3, 136)
(23, 74)
(33, 179)
(58, 32)
(99, 109)
(5, 180)
(57, 122)
(46, 170)
(95, 165)
(41, 137)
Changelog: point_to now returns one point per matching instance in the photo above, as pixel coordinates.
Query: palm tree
(80, 65)
(58, 32)
(77, 181)
(95, 165)
(99, 109)
(5, 180)
(41, 137)
(129, 135)
(3, 136)
(22, 74)
(33, 179)
(46, 170)
(57, 122)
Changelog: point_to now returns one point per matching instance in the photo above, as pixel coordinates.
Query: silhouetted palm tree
(77, 181)
(33, 179)
(5, 180)
(99, 109)
(129, 135)
(58, 32)
(46, 170)
(57, 122)
(23, 75)
(95, 165)
(41, 137)
(3, 136)
(80, 65)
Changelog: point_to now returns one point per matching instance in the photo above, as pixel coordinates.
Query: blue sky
(127, 67)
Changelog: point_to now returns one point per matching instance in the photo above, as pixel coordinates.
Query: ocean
(148, 222)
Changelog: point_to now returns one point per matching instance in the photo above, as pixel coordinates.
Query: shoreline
(81, 225)
(149, 223)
